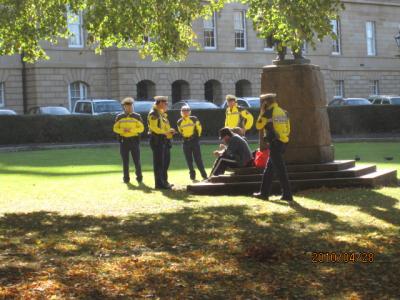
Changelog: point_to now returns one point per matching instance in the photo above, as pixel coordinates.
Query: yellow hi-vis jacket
(158, 123)
(276, 123)
(128, 125)
(189, 126)
(238, 117)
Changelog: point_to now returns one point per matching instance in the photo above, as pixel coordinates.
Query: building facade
(363, 61)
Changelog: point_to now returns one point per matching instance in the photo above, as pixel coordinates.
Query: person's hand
(221, 147)
(216, 153)
(127, 130)
(172, 131)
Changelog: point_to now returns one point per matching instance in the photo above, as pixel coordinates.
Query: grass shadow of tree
(198, 253)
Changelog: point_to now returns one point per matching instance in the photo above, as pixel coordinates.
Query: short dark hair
(225, 132)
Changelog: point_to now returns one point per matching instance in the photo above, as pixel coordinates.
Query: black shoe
(287, 198)
(139, 180)
(127, 180)
(260, 195)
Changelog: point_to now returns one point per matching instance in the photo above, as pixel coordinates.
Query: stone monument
(301, 91)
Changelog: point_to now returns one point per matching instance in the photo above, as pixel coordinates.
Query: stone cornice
(372, 2)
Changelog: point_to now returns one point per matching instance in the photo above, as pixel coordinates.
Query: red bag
(261, 158)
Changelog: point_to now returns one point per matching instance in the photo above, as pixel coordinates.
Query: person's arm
(198, 127)
(261, 122)
(117, 128)
(249, 119)
(178, 126)
(226, 118)
(140, 125)
(153, 125)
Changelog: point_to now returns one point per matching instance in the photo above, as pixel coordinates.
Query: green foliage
(161, 29)
(293, 22)
(168, 23)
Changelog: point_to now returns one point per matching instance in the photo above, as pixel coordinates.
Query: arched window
(243, 88)
(146, 90)
(78, 90)
(213, 91)
(180, 91)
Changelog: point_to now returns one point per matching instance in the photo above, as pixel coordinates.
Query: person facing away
(236, 116)
(237, 153)
(128, 126)
(161, 134)
(190, 128)
(275, 123)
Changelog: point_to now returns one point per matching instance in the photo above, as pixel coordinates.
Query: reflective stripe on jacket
(189, 126)
(128, 125)
(276, 123)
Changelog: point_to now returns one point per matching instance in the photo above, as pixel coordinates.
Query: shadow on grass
(368, 201)
(203, 253)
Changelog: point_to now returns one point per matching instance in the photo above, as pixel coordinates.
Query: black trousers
(191, 149)
(157, 146)
(132, 146)
(276, 165)
(222, 163)
(167, 160)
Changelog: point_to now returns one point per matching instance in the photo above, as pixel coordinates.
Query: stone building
(361, 62)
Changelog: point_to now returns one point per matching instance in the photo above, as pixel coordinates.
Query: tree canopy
(25, 25)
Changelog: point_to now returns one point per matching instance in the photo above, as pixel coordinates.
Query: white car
(95, 107)
(8, 112)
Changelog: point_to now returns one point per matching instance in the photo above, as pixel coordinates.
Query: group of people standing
(235, 151)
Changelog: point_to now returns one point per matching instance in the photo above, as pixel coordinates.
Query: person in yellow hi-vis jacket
(161, 135)
(128, 126)
(237, 116)
(275, 123)
(190, 129)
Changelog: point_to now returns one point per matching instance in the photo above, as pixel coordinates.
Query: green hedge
(74, 128)
(376, 119)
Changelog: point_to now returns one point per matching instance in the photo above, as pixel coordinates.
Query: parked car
(385, 99)
(195, 104)
(142, 106)
(49, 110)
(97, 107)
(349, 101)
(247, 102)
(9, 112)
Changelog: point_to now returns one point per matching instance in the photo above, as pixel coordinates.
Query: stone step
(351, 172)
(337, 165)
(374, 179)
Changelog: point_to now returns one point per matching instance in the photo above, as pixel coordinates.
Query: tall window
(75, 27)
(336, 47)
(77, 91)
(2, 94)
(240, 30)
(374, 87)
(339, 88)
(371, 41)
(210, 33)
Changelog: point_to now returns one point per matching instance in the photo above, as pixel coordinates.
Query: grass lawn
(70, 229)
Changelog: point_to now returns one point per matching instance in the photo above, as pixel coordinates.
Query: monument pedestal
(309, 156)
(301, 92)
